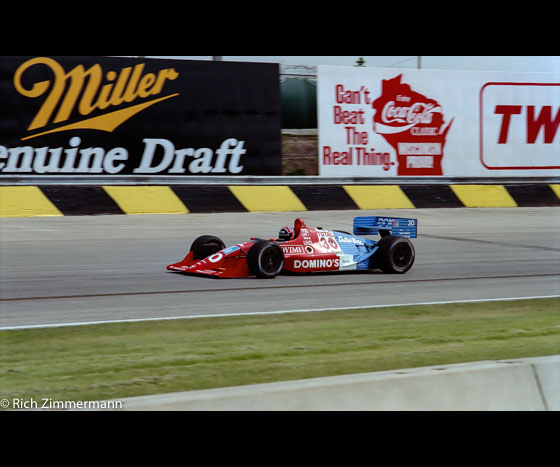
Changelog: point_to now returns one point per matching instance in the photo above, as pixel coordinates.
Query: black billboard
(130, 116)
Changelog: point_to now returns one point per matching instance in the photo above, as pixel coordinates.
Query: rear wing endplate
(385, 226)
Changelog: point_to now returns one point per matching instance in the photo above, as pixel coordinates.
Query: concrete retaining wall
(531, 384)
(66, 200)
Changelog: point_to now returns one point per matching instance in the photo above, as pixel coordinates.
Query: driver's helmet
(286, 233)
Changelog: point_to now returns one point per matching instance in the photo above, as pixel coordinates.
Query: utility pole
(419, 62)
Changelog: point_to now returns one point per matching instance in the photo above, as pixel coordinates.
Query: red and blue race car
(302, 249)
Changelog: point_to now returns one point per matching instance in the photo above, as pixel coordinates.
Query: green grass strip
(112, 361)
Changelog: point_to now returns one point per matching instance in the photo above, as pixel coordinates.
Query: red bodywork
(311, 250)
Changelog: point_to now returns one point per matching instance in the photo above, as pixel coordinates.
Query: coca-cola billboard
(426, 123)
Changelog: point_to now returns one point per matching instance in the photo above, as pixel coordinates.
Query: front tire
(206, 245)
(395, 255)
(265, 260)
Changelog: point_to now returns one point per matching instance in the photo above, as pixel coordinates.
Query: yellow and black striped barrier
(64, 200)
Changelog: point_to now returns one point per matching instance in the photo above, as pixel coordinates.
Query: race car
(303, 249)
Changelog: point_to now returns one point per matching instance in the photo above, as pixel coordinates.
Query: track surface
(100, 268)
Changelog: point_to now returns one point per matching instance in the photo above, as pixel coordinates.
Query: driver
(286, 233)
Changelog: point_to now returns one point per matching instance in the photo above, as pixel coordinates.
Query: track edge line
(264, 313)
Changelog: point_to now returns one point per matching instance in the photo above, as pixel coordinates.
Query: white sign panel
(399, 123)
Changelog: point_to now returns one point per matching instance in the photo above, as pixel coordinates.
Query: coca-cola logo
(419, 112)
(413, 124)
(399, 109)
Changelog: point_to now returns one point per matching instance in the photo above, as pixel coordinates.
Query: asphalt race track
(78, 269)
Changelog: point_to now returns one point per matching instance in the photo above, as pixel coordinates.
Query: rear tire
(265, 260)
(205, 246)
(395, 255)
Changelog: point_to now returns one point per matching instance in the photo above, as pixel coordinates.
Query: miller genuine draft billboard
(128, 116)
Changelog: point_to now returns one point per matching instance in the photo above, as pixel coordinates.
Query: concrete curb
(531, 384)
(67, 200)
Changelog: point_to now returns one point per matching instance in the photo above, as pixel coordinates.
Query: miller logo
(68, 91)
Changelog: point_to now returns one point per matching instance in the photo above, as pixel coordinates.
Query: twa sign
(387, 123)
(519, 126)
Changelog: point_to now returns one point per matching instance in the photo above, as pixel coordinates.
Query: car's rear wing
(385, 226)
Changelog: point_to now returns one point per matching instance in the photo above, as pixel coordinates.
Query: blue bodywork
(362, 249)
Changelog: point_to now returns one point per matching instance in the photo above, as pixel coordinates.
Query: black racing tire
(206, 245)
(395, 255)
(265, 259)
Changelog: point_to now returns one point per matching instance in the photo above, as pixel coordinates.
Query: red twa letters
(535, 121)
